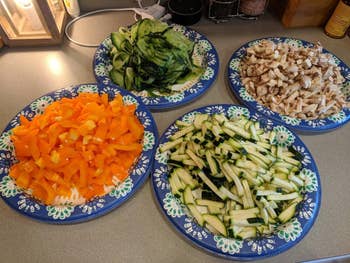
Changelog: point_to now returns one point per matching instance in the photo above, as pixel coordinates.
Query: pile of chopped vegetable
(233, 177)
(301, 82)
(84, 144)
(151, 56)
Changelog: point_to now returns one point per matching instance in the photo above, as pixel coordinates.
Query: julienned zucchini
(216, 223)
(231, 177)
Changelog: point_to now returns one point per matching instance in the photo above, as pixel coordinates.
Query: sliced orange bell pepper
(84, 143)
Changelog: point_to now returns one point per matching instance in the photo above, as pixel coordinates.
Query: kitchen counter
(137, 231)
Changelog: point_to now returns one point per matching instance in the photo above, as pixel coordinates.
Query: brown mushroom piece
(306, 82)
(301, 82)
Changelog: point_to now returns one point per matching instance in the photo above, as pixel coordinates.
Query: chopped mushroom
(261, 90)
(295, 81)
(292, 69)
(305, 82)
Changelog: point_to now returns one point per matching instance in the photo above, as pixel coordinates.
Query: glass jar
(223, 10)
(252, 7)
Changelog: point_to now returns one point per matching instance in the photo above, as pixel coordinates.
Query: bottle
(72, 7)
(340, 20)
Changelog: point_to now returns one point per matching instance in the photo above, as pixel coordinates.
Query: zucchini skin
(247, 185)
(157, 58)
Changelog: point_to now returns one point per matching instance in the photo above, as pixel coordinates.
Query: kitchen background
(137, 231)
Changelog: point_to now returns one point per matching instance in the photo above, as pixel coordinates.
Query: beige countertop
(137, 231)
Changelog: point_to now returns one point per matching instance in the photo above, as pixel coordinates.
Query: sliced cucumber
(202, 209)
(221, 118)
(251, 211)
(175, 163)
(253, 132)
(230, 195)
(232, 179)
(282, 183)
(182, 132)
(170, 144)
(213, 210)
(212, 186)
(189, 162)
(199, 162)
(210, 203)
(266, 192)
(287, 214)
(247, 232)
(238, 130)
(188, 197)
(179, 157)
(248, 194)
(176, 184)
(253, 180)
(196, 214)
(264, 215)
(283, 197)
(216, 223)
(186, 177)
(233, 231)
(212, 229)
(213, 165)
(227, 168)
(182, 123)
(258, 161)
(245, 222)
(199, 119)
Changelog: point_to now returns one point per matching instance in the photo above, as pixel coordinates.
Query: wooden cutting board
(299, 13)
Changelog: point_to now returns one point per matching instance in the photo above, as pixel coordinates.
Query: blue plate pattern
(204, 50)
(64, 214)
(318, 125)
(284, 237)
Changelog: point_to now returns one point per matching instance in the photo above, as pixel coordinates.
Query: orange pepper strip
(84, 143)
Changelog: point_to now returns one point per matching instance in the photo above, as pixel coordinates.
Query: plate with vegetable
(235, 183)
(294, 82)
(76, 154)
(165, 65)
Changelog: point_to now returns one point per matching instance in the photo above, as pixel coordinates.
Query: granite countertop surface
(137, 231)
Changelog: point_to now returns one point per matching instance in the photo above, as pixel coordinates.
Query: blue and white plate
(16, 199)
(318, 125)
(284, 237)
(204, 51)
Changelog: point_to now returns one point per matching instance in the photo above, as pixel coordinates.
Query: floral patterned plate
(204, 51)
(318, 125)
(16, 199)
(284, 237)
